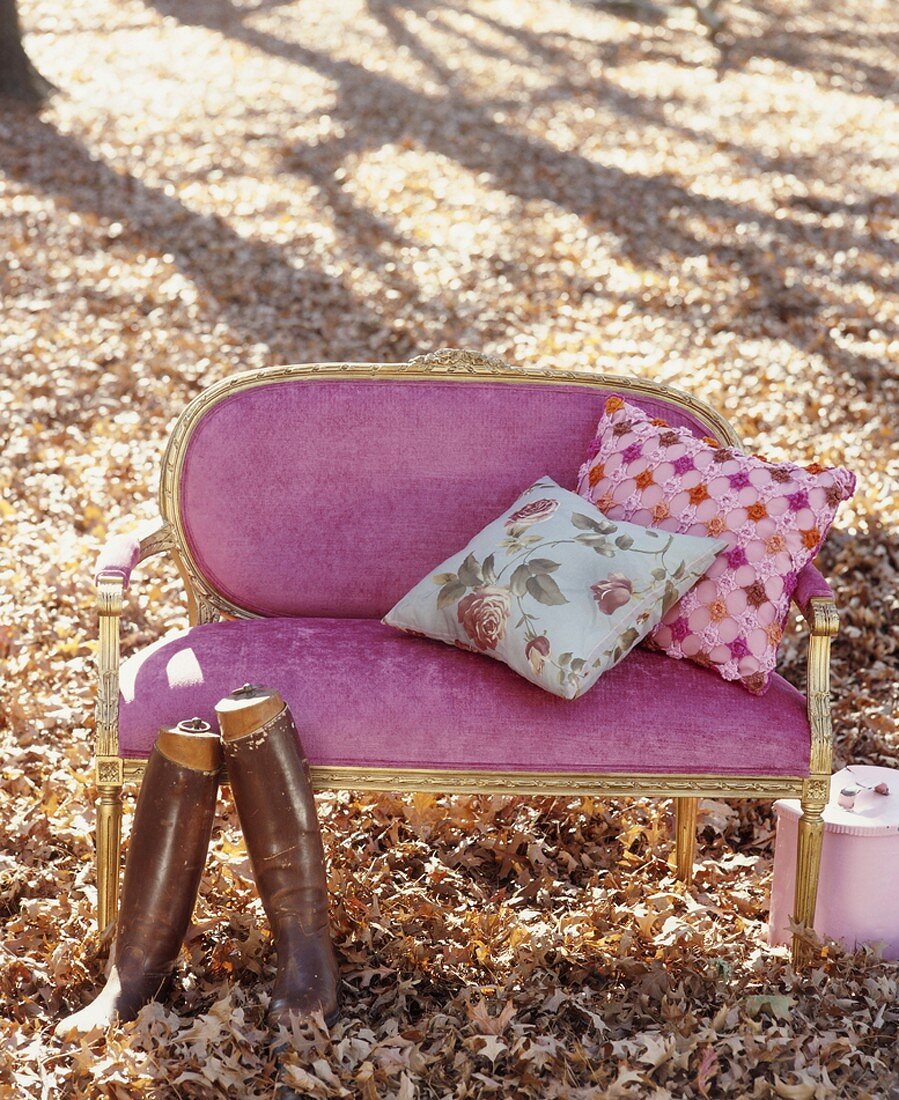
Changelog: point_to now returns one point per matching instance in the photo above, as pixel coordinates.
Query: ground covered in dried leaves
(221, 185)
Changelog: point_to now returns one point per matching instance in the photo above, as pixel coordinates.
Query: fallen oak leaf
(489, 1045)
(659, 1049)
(778, 1005)
(802, 1090)
(491, 1025)
(707, 1070)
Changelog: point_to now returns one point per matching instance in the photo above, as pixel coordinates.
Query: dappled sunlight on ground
(224, 185)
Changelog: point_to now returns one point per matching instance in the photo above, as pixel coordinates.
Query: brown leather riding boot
(269, 775)
(169, 839)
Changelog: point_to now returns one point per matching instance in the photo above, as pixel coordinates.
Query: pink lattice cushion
(773, 518)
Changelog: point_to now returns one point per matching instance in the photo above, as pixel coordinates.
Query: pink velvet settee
(299, 503)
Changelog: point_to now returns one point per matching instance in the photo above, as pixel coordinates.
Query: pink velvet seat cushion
(363, 694)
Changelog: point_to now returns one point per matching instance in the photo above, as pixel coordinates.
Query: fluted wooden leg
(109, 844)
(808, 863)
(685, 837)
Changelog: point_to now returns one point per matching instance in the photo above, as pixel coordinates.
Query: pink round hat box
(858, 890)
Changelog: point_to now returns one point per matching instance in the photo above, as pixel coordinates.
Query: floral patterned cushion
(773, 518)
(554, 589)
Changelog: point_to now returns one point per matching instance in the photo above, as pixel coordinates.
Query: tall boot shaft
(272, 787)
(169, 840)
(270, 780)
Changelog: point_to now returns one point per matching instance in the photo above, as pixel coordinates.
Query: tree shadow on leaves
(254, 286)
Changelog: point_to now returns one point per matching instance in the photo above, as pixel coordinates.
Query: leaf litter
(223, 185)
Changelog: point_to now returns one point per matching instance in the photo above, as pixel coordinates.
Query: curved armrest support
(122, 553)
(118, 558)
(109, 605)
(815, 600)
(113, 574)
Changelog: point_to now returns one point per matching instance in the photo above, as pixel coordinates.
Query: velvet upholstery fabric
(316, 497)
(363, 694)
(118, 558)
(810, 584)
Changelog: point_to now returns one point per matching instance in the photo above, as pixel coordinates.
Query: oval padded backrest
(309, 496)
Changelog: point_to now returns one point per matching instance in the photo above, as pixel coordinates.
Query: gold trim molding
(575, 784)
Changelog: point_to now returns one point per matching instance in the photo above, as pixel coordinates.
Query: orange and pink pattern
(773, 517)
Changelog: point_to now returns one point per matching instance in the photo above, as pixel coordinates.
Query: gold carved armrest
(111, 582)
(820, 612)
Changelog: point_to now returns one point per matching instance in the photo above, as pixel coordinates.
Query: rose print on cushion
(554, 589)
(772, 517)
(483, 614)
(532, 513)
(536, 651)
(612, 593)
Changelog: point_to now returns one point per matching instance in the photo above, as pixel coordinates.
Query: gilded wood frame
(208, 605)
